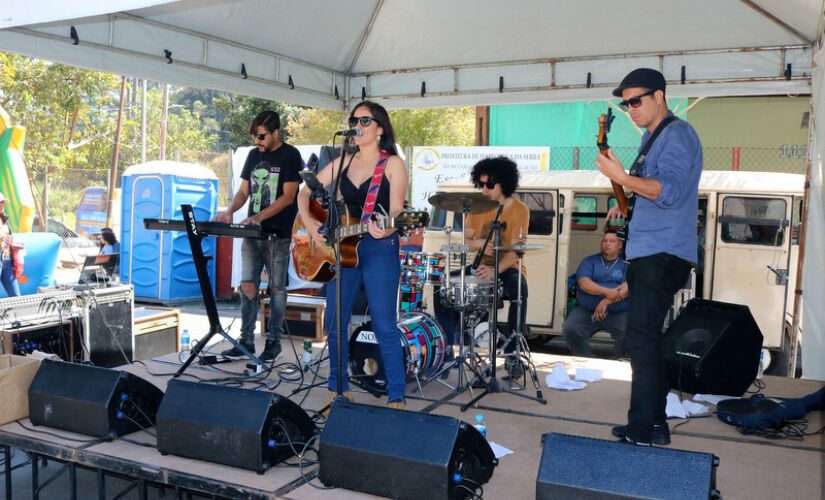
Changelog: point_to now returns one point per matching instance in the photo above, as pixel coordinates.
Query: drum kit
(469, 297)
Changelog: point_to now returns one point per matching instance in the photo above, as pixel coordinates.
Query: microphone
(350, 132)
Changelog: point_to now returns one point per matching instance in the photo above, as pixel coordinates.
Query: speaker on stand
(91, 400)
(229, 425)
(402, 454)
(712, 348)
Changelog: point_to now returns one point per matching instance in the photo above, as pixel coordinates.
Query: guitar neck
(360, 228)
(618, 190)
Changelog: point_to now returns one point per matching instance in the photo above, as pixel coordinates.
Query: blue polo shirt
(606, 273)
(668, 223)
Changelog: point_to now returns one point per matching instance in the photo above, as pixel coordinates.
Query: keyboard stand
(195, 237)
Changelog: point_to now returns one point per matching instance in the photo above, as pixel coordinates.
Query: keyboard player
(269, 181)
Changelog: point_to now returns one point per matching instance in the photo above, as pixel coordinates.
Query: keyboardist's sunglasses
(260, 137)
(634, 102)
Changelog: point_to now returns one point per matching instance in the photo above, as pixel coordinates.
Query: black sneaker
(236, 353)
(659, 433)
(272, 351)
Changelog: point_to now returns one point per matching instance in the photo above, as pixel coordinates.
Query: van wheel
(535, 340)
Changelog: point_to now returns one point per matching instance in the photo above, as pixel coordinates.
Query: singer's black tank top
(355, 197)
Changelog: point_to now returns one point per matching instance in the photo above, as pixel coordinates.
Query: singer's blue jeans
(379, 271)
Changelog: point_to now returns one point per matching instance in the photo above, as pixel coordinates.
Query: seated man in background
(602, 300)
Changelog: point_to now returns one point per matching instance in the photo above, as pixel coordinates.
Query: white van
(748, 230)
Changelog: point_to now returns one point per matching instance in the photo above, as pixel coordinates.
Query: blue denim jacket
(668, 223)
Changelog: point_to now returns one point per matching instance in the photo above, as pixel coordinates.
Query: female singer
(378, 266)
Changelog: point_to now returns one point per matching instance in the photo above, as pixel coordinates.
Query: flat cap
(642, 77)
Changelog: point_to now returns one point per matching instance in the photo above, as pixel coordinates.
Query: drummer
(498, 180)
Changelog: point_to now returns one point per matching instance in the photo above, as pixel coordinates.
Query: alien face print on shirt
(263, 185)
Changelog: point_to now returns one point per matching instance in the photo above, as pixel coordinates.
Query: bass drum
(423, 348)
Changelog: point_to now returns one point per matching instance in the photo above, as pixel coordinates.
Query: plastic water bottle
(185, 344)
(761, 364)
(307, 351)
(480, 425)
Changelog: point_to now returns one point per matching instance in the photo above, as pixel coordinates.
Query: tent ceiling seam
(787, 27)
(365, 35)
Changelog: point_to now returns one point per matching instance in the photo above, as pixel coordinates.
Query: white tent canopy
(458, 52)
(430, 53)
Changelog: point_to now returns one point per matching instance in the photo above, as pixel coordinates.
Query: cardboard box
(16, 374)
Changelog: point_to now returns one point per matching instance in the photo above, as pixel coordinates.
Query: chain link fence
(788, 160)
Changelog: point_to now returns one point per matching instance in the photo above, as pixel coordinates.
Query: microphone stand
(331, 228)
(493, 386)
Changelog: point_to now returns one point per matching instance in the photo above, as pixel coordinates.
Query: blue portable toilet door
(147, 246)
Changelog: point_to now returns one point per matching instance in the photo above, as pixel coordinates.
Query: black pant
(652, 281)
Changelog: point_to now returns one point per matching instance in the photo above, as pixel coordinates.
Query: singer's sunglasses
(260, 137)
(634, 102)
(490, 184)
(365, 121)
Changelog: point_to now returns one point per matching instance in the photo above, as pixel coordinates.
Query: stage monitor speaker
(580, 467)
(229, 425)
(91, 400)
(402, 454)
(712, 348)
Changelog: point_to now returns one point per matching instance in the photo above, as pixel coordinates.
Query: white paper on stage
(559, 379)
(681, 409)
(589, 374)
(498, 450)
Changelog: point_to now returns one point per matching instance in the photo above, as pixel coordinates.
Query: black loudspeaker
(579, 467)
(712, 348)
(91, 400)
(402, 454)
(228, 425)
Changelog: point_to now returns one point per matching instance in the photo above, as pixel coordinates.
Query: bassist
(661, 245)
(374, 180)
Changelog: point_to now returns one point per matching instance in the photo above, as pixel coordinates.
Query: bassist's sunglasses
(634, 102)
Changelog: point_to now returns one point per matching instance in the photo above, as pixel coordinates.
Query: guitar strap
(375, 185)
(636, 168)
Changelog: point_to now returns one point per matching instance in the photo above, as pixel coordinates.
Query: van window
(584, 213)
(755, 221)
(438, 217)
(542, 211)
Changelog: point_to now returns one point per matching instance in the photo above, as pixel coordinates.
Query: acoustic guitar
(315, 260)
(625, 204)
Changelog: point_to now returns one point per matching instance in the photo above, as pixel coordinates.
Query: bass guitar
(315, 261)
(625, 203)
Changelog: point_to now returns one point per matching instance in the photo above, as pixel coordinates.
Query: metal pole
(110, 188)
(163, 121)
(143, 123)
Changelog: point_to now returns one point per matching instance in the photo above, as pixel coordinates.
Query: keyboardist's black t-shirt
(267, 172)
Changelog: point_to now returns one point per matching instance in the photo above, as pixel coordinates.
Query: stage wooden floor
(750, 466)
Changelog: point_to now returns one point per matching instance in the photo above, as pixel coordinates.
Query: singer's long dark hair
(387, 142)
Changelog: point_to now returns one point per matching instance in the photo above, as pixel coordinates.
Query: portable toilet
(159, 264)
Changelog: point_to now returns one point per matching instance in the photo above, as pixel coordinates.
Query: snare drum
(412, 268)
(422, 344)
(478, 292)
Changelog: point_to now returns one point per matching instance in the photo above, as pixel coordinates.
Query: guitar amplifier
(107, 320)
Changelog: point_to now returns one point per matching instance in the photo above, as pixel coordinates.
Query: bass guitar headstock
(605, 121)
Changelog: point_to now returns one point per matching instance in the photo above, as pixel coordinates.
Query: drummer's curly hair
(501, 170)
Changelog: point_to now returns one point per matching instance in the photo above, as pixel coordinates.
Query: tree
(434, 126)
(238, 112)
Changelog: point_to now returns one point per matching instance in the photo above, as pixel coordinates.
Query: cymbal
(521, 247)
(454, 202)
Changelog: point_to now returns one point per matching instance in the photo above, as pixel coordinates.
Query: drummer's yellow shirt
(517, 217)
